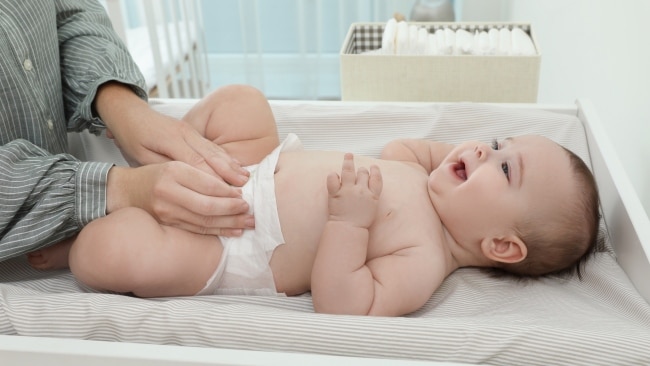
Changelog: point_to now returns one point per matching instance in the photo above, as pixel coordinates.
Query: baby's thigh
(186, 262)
(129, 251)
(233, 113)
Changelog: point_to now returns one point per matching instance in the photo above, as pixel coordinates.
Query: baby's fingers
(348, 173)
(333, 183)
(363, 177)
(375, 181)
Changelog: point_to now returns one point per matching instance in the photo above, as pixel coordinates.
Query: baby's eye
(506, 170)
(504, 166)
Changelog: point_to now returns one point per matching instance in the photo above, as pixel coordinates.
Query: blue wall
(279, 23)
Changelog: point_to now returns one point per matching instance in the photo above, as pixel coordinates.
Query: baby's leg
(239, 119)
(129, 251)
(52, 257)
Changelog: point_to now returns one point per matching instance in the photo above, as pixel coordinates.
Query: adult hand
(185, 185)
(179, 195)
(145, 136)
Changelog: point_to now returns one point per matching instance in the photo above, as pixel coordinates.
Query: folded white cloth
(388, 37)
(522, 45)
(464, 42)
(450, 41)
(401, 38)
(441, 42)
(481, 43)
(505, 41)
(422, 42)
(433, 45)
(413, 40)
(493, 35)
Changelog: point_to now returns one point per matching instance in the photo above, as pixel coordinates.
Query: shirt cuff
(90, 196)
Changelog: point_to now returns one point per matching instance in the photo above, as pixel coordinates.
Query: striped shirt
(53, 57)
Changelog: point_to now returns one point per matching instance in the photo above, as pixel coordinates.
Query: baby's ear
(507, 249)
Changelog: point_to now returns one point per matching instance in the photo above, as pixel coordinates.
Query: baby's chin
(431, 187)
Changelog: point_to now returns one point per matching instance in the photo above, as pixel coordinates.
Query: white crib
(169, 48)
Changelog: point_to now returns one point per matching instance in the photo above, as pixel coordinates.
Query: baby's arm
(239, 119)
(342, 281)
(427, 153)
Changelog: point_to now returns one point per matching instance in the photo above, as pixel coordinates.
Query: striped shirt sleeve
(35, 205)
(91, 54)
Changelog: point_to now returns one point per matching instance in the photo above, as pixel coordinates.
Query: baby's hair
(561, 245)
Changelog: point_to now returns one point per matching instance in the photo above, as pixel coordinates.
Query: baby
(364, 235)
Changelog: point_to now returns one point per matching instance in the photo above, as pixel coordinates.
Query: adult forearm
(118, 105)
(144, 135)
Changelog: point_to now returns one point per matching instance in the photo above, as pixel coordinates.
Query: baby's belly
(301, 196)
(302, 203)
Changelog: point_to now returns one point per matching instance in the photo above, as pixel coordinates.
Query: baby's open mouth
(459, 169)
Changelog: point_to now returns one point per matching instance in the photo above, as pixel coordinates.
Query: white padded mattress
(472, 318)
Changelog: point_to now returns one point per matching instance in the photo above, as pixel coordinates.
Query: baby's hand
(354, 196)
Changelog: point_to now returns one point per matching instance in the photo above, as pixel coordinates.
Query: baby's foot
(52, 257)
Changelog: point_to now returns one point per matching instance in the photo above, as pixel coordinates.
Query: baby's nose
(480, 151)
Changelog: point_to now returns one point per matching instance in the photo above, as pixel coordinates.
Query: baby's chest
(400, 227)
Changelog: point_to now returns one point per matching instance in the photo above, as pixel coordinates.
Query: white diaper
(244, 267)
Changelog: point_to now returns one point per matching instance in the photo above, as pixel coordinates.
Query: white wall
(598, 50)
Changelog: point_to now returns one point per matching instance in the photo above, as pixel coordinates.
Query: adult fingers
(209, 206)
(206, 186)
(230, 225)
(210, 157)
(177, 185)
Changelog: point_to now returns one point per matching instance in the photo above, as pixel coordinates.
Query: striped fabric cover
(472, 318)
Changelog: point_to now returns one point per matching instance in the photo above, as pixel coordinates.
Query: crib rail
(169, 46)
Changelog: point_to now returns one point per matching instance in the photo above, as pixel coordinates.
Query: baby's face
(481, 190)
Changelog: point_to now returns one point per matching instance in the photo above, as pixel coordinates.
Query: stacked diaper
(400, 38)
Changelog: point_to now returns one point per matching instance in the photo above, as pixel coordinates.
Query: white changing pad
(472, 318)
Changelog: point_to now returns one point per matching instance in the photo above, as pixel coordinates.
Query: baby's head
(559, 241)
(525, 205)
